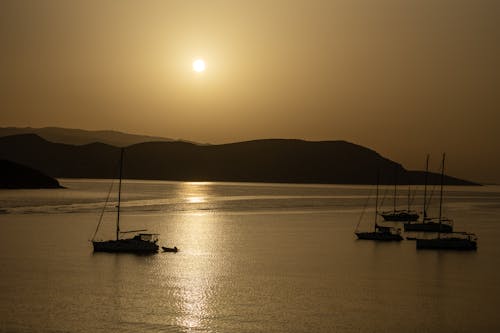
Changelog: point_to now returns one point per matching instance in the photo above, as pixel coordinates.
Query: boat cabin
(387, 230)
(460, 235)
(147, 237)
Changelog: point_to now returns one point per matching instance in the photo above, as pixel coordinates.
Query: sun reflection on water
(196, 287)
(195, 192)
(195, 297)
(196, 199)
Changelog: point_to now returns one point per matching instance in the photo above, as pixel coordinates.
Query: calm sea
(253, 258)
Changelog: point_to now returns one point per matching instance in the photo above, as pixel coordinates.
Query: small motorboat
(170, 249)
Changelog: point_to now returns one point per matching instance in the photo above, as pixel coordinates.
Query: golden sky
(404, 77)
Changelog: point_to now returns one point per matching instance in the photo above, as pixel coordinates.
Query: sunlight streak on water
(196, 199)
(197, 285)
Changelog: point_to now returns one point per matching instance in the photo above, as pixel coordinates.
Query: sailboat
(402, 214)
(429, 224)
(380, 233)
(141, 243)
(451, 241)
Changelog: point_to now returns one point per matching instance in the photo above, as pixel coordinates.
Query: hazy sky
(404, 77)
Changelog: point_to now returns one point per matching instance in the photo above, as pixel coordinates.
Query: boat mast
(425, 185)
(395, 186)
(409, 193)
(441, 196)
(376, 199)
(119, 196)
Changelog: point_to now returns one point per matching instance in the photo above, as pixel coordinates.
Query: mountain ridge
(264, 160)
(81, 137)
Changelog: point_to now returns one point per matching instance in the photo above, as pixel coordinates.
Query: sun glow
(196, 199)
(199, 65)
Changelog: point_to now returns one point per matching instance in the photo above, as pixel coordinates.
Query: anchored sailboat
(451, 241)
(380, 233)
(140, 243)
(429, 224)
(401, 214)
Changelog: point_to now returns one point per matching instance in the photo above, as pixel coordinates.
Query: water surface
(254, 258)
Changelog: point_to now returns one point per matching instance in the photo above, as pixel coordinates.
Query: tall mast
(409, 193)
(376, 199)
(119, 196)
(425, 185)
(395, 186)
(441, 196)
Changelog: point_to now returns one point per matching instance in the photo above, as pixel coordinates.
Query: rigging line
(383, 198)
(364, 209)
(103, 209)
(436, 183)
(413, 195)
(431, 195)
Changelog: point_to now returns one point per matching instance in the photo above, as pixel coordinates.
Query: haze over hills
(81, 137)
(272, 160)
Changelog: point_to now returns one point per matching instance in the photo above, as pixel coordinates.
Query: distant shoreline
(109, 180)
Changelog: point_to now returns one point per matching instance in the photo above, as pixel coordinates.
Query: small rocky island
(18, 176)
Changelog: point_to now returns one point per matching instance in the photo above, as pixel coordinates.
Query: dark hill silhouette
(96, 160)
(81, 137)
(17, 176)
(272, 160)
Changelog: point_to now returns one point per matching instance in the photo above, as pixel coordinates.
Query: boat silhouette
(449, 241)
(141, 242)
(429, 224)
(380, 233)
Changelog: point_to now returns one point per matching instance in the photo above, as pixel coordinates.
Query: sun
(199, 65)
